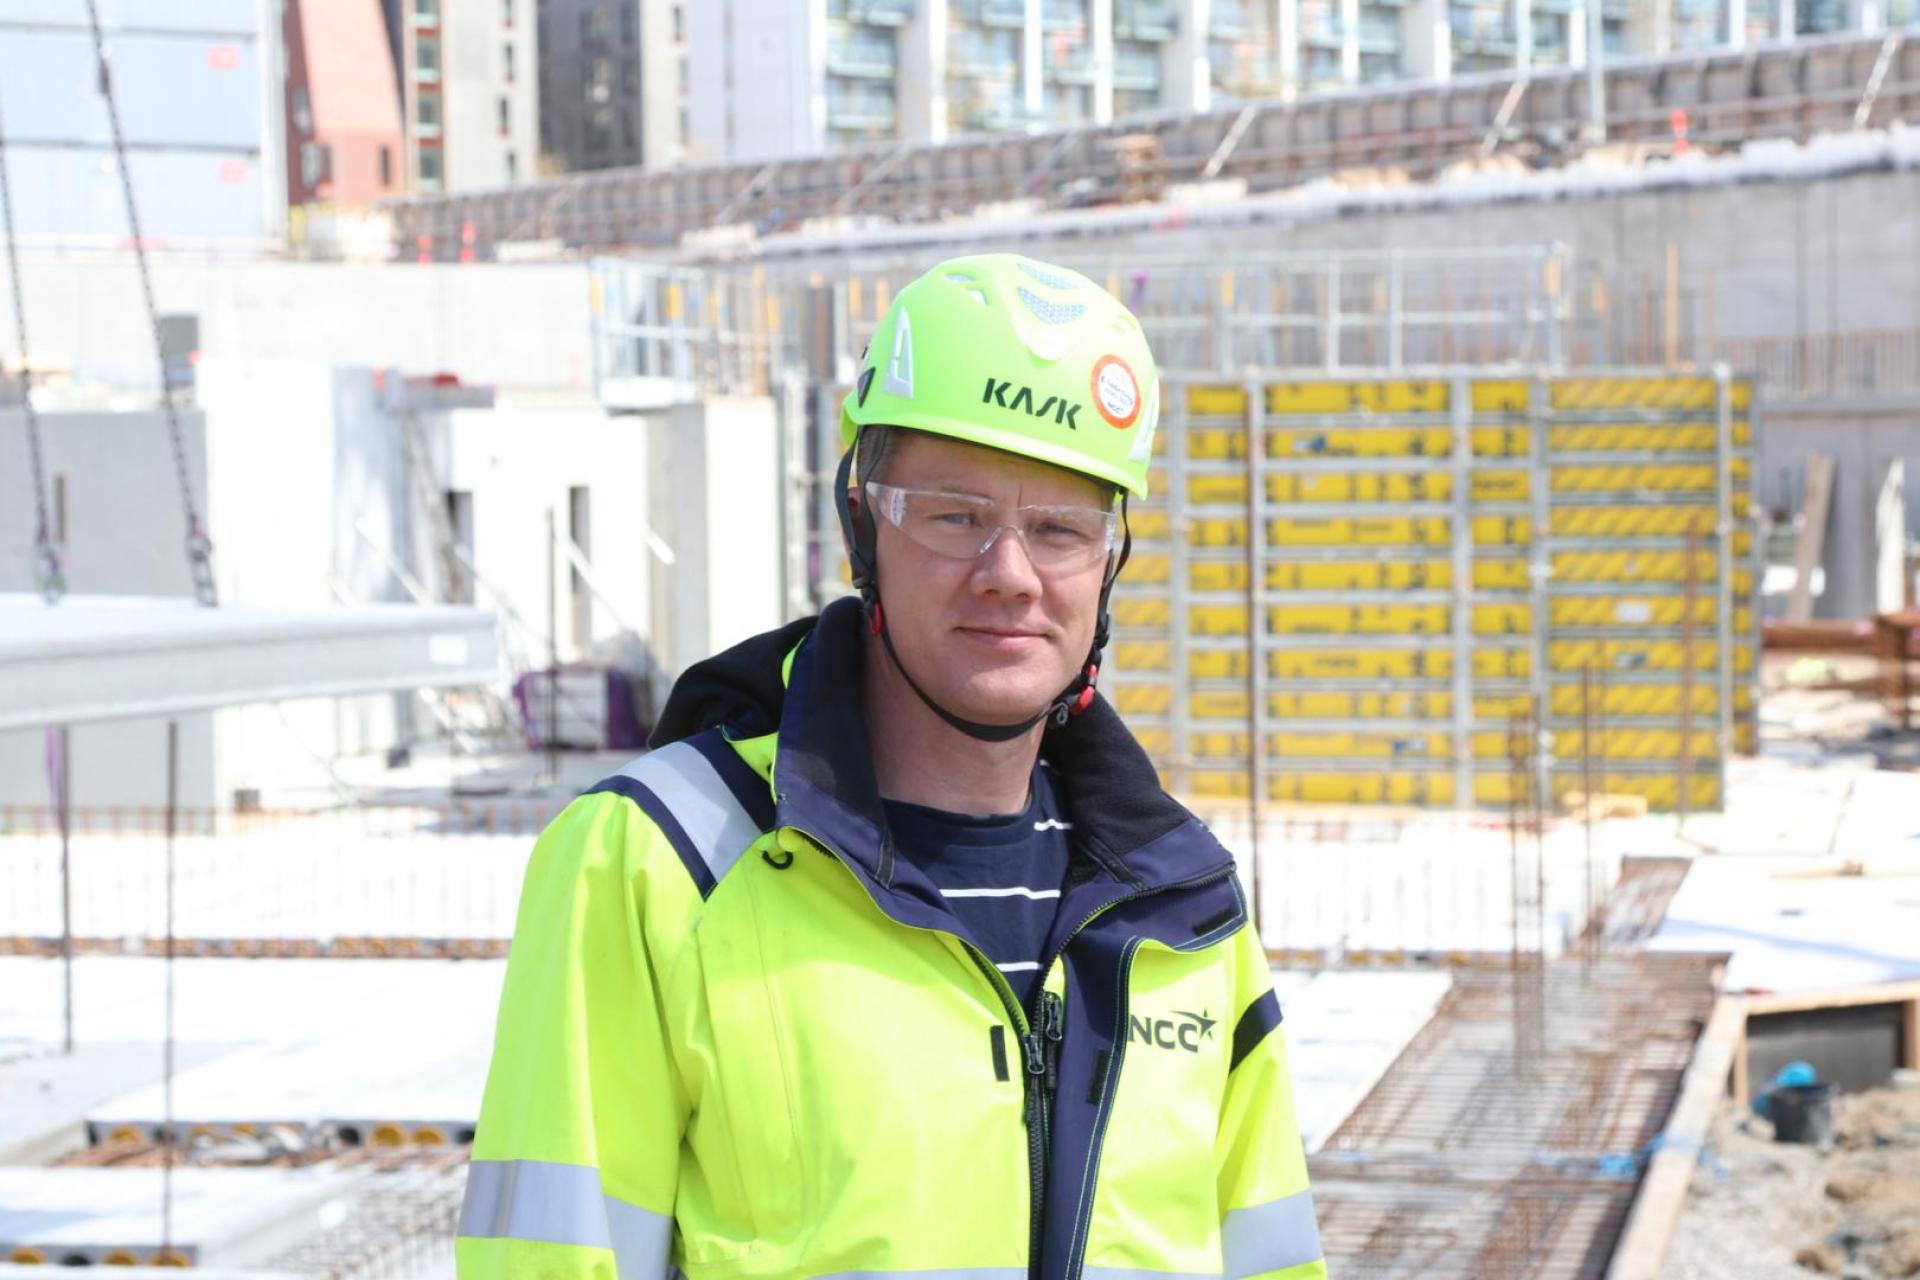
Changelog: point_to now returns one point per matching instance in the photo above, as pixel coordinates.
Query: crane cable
(199, 546)
(49, 573)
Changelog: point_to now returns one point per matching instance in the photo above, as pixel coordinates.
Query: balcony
(1143, 20)
(1379, 35)
(870, 59)
(1063, 15)
(979, 59)
(872, 13)
(1134, 72)
(860, 115)
(1076, 68)
(1004, 14)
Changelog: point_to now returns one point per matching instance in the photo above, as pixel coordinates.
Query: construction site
(1528, 596)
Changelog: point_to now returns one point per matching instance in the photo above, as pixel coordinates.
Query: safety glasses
(962, 526)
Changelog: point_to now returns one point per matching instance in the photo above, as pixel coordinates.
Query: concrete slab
(1790, 924)
(1344, 1030)
(108, 658)
(301, 1042)
(232, 1217)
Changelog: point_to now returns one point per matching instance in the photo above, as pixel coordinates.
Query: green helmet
(1000, 350)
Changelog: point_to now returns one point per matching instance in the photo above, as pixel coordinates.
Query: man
(893, 956)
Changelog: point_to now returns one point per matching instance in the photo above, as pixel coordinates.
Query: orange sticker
(1116, 392)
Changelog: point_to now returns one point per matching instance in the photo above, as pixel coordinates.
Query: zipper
(1040, 1039)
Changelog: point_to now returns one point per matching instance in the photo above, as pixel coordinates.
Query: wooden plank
(1844, 998)
(1809, 547)
(1642, 1251)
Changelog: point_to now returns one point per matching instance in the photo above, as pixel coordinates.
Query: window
(460, 554)
(386, 166)
(513, 168)
(302, 111)
(316, 163)
(426, 56)
(430, 167)
(506, 117)
(679, 23)
(506, 63)
(580, 530)
(59, 530)
(426, 112)
(506, 13)
(427, 11)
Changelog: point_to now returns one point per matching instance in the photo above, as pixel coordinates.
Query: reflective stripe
(563, 1204)
(1134, 1273)
(718, 826)
(1270, 1237)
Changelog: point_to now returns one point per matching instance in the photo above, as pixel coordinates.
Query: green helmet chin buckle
(1005, 352)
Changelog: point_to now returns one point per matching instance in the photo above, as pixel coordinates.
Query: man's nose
(1006, 566)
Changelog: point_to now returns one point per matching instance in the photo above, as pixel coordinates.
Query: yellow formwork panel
(1364, 486)
(1230, 490)
(1217, 401)
(1217, 532)
(1618, 743)
(1660, 790)
(1148, 568)
(1629, 611)
(1501, 575)
(1353, 442)
(1501, 442)
(1641, 655)
(1392, 395)
(1502, 486)
(1646, 477)
(1625, 520)
(1141, 611)
(1154, 699)
(1629, 392)
(1214, 444)
(1565, 700)
(1326, 575)
(1358, 620)
(1149, 526)
(1323, 704)
(1512, 619)
(1502, 531)
(1217, 620)
(1646, 437)
(1396, 787)
(1501, 706)
(1155, 741)
(1359, 531)
(1229, 744)
(1501, 395)
(1746, 738)
(1620, 565)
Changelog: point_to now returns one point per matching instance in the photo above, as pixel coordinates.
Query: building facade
(344, 143)
(199, 92)
(612, 87)
(469, 88)
(786, 77)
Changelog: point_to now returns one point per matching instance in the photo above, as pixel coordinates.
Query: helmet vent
(1046, 278)
(969, 283)
(1048, 311)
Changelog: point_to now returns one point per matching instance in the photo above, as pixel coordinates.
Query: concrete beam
(94, 658)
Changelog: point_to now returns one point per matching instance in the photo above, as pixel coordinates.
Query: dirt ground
(1761, 1210)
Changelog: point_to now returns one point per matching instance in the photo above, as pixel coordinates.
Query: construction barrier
(1422, 564)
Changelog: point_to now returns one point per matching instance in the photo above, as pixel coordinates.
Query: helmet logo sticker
(1062, 410)
(1116, 392)
(863, 386)
(900, 368)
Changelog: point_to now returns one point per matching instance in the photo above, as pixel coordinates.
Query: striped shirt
(1000, 875)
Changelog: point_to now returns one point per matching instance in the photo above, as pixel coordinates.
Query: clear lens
(962, 526)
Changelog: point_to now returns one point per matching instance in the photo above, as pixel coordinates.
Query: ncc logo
(1182, 1031)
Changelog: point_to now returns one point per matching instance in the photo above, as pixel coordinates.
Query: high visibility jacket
(741, 1036)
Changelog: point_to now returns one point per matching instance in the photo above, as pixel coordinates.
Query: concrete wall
(125, 535)
(1863, 441)
(716, 495)
(503, 325)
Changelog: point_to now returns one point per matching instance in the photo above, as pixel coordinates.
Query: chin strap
(860, 537)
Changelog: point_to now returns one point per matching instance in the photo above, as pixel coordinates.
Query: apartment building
(769, 78)
(469, 89)
(612, 83)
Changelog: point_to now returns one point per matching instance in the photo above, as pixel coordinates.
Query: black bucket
(1802, 1113)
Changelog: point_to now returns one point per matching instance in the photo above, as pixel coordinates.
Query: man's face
(992, 639)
